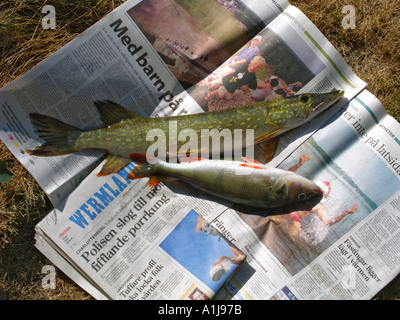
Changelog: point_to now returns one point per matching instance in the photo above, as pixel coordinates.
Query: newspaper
(127, 239)
(120, 239)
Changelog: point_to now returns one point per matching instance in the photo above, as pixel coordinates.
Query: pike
(126, 134)
(247, 183)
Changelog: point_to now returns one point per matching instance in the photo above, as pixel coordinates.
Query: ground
(372, 50)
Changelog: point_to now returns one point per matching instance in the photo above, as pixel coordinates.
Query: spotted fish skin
(240, 182)
(127, 133)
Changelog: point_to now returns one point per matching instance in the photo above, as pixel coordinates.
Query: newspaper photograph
(120, 238)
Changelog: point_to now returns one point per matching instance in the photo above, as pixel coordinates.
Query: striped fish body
(239, 182)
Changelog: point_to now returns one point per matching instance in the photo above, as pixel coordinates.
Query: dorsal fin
(111, 112)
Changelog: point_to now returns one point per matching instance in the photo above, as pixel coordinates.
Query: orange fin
(270, 148)
(137, 174)
(269, 135)
(252, 166)
(134, 174)
(113, 164)
(144, 170)
(153, 182)
(251, 160)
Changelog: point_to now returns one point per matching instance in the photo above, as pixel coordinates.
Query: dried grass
(24, 44)
(372, 50)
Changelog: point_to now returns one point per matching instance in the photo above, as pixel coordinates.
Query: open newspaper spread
(120, 239)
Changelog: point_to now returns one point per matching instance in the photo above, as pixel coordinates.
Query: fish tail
(146, 170)
(60, 138)
(143, 170)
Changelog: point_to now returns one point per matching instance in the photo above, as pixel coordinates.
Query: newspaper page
(125, 238)
(328, 71)
(346, 246)
(116, 60)
(121, 58)
(147, 66)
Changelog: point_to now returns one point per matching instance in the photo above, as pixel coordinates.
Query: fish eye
(304, 98)
(301, 196)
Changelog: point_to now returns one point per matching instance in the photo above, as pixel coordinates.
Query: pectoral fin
(113, 164)
(266, 136)
(270, 148)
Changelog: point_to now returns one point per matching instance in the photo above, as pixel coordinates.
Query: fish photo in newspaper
(126, 133)
(245, 182)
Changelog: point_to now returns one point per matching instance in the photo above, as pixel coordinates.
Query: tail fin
(144, 170)
(59, 137)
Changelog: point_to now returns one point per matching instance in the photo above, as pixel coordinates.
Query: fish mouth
(318, 192)
(327, 98)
